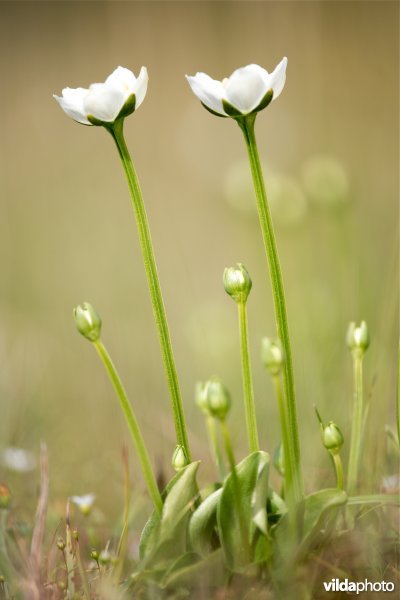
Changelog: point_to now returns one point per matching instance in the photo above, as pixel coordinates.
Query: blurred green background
(331, 155)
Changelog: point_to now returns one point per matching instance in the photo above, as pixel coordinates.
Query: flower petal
(278, 77)
(208, 90)
(140, 88)
(72, 103)
(122, 79)
(104, 101)
(246, 87)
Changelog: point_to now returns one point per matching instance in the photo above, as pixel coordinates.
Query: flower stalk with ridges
(247, 126)
(116, 131)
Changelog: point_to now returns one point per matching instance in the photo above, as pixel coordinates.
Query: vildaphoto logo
(358, 587)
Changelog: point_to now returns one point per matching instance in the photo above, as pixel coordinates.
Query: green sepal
(231, 110)
(264, 102)
(98, 122)
(128, 108)
(165, 536)
(239, 503)
(213, 112)
(202, 524)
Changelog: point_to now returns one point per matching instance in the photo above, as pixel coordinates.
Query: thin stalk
(133, 426)
(284, 432)
(228, 446)
(398, 396)
(356, 430)
(212, 433)
(251, 422)
(122, 544)
(339, 470)
(82, 573)
(247, 126)
(5, 565)
(154, 285)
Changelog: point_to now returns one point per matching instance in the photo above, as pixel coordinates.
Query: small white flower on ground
(249, 89)
(84, 503)
(18, 460)
(119, 95)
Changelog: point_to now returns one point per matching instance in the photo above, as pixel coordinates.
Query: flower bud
(5, 496)
(272, 356)
(87, 321)
(179, 459)
(201, 397)
(237, 282)
(213, 398)
(60, 544)
(358, 337)
(332, 437)
(94, 555)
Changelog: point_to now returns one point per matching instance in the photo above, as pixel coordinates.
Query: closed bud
(201, 397)
(358, 337)
(237, 282)
(179, 458)
(94, 555)
(60, 544)
(214, 399)
(272, 356)
(5, 496)
(87, 321)
(332, 437)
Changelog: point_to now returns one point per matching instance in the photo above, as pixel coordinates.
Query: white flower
(247, 90)
(84, 503)
(119, 95)
(18, 459)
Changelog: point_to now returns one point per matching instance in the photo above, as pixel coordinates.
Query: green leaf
(392, 499)
(276, 507)
(320, 511)
(207, 573)
(242, 495)
(260, 496)
(203, 522)
(165, 536)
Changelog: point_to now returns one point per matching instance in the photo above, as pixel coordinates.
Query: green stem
(212, 432)
(247, 126)
(356, 430)
(133, 426)
(251, 422)
(339, 470)
(228, 446)
(398, 396)
(154, 285)
(82, 573)
(284, 432)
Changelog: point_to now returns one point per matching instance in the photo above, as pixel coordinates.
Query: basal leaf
(237, 507)
(320, 510)
(172, 524)
(202, 524)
